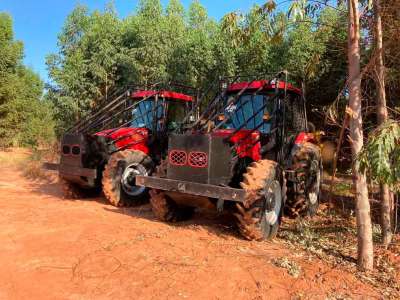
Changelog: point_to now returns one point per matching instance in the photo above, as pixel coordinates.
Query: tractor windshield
(176, 113)
(144, 111)
(248, 113)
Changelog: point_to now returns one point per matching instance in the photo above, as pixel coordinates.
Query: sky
(38, 22)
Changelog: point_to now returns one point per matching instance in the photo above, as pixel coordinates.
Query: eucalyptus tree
(382, 114)
(175, 38)
(25, 120)
(145, 41)
(364, 225)
(89, 60)
(198, 52)
(249, 36)
(11, 53)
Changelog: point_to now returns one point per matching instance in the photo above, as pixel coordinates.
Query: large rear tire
(259, 217)
(119, 178)
(304, 193)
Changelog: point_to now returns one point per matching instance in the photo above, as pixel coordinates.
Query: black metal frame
(107, 112)
(193, 188)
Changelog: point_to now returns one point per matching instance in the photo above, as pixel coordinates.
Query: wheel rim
(314, 191)
(273, 199)
(128, 179)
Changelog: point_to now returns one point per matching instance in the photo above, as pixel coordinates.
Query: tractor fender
(127, 138)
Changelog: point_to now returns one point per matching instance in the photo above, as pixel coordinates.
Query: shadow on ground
(221, 225)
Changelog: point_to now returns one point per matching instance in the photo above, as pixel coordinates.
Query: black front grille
(199, 158)
(73, 149)
(177, 157)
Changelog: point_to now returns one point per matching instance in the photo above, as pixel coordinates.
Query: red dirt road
(57, 249)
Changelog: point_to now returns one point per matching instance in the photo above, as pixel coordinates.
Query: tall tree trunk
(382, 117)
(364, 227)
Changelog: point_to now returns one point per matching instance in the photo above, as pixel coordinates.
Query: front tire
(314, 187)
(119, 178)
(260, 216)
(166, 210)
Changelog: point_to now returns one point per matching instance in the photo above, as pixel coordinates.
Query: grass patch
(333, 239)
(292, 267)
(14, 157)
(29, 161)
(343, 189)
(32, 167)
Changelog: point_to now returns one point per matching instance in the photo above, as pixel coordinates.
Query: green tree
(98, 51)
(89, 62)
(144, 36)
(197, 53)
(249, 38)
(25, 119)
(11, 53)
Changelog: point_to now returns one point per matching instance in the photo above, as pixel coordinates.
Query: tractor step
(193, 188)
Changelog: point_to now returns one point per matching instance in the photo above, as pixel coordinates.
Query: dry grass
(333, 238)
(14, 156)
(29, 161)
(292, 267)
(32, 169)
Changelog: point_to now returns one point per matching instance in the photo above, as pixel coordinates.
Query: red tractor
(250, 153)
(95, 158)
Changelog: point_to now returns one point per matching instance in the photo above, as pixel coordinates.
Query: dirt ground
(85, 249)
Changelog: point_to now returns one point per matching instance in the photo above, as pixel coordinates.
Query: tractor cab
(270, 113)
(148, 117)
(159, 111)
(247, 106)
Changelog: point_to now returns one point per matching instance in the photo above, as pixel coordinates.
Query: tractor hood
(127, 138)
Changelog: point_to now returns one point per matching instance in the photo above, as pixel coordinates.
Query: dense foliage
(381, 154)
(99, 51)
(25, 120)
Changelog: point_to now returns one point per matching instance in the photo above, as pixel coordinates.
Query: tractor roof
(264, 84)
(164, 94)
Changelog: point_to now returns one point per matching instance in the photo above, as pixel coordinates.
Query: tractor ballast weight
(250, 154)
